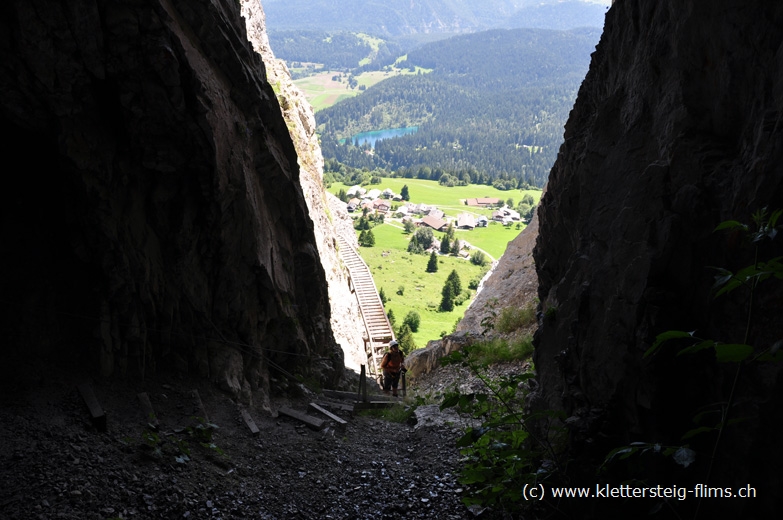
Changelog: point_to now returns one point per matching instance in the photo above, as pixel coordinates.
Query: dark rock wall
(677, 127)
(151, 210)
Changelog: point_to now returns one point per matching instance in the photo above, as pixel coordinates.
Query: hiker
(393, 364)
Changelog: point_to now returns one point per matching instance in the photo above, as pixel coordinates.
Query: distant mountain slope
(493, 108)
(500, 60)
(333, 49)
(403, 17)
(562, 16)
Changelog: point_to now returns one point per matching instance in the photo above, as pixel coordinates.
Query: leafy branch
(765, 227)
(503, 453)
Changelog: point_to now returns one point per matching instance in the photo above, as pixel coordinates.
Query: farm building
(381, 206)
(466, 221)
(356, 191)
(483, 202)
(402, 211)
(435, 223)
(435, 212)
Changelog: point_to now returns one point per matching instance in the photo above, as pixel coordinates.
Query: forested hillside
(391, 18)
(337, 50)
(492, 110)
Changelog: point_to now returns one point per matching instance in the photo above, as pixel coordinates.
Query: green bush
(424, 237)
(512, 318)
(463, 297)
(503, 455)
(499, 350)
(479, 258)
(412, 320)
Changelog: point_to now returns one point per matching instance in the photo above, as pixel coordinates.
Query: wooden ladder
(378, 330)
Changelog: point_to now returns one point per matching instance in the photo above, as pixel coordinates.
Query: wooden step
(312, 422)
(97, 415)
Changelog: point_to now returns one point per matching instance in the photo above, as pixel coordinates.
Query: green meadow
(396, 271)
(322, 91)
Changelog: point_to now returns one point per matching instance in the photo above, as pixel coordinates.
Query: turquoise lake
(376, 135)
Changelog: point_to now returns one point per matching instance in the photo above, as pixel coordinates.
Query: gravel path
(54, 464)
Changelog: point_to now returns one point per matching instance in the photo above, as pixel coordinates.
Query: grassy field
(493, 239)
(394, 268)
(322, 91)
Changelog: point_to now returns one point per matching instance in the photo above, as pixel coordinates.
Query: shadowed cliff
(154, 217)
(677, 127)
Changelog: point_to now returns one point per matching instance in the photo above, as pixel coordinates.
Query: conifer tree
(445, 245)
(455, 282)
(414, 246)
(432, 265)
(447, 302)
(405, 339)
(369, 239)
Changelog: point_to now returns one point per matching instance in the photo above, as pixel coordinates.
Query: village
(389, 204)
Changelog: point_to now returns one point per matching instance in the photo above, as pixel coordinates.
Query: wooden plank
(198, 406)
(329, 414)
(337, 406)
(371, 405)
(312, 422)
(362, 386)
(149, 412)
(249, 422)
(97, 415)
(339, 394)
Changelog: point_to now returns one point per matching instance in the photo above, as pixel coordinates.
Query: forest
(491, 111)
(336, 50)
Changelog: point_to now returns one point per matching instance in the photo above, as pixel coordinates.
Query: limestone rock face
(153, 214)
(327, 213)
(677, 127)
(512, 282)
(425, 360)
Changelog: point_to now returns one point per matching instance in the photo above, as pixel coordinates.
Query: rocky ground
(55, 464)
